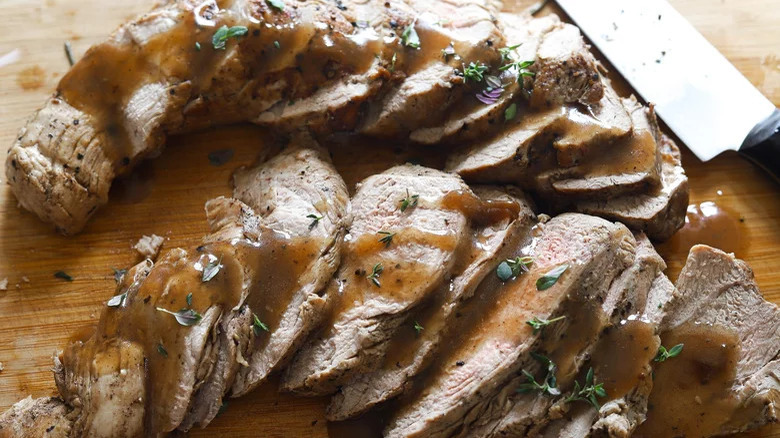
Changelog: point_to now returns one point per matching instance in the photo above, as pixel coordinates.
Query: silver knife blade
(702, 97)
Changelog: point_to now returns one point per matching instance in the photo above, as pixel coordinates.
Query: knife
(702, 97)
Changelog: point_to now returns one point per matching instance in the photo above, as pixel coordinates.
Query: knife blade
(700, 95)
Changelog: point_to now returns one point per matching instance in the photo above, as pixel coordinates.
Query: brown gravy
(621, 355)
(691, 394)
(712, 224)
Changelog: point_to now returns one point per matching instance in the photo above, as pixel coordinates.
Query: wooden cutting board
(166, 197)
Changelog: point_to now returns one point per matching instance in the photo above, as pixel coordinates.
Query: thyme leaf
(474, 72)
(511, 268)
(589, 392)
(418, 328)
(117, 300)
(185, 317)
(314, 220)
(258, 325)
(551, 277)
(163, 352)
(538, 324)
(548, 385)
(409, 37)
(212, 269)
(376, 271)
(664, 354)
(387, 239)
(189, 299)
(224, 33)
(409, 201)
(510, 112)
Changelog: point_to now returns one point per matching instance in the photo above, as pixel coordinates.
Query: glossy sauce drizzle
(691, 394)
(711, 224)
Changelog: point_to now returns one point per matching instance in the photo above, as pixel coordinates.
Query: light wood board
(39, 311)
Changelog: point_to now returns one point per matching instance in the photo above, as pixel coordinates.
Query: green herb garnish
(278, 4)
(475, 72)
(409, 37)
(548, 386)
(409, 201)
(63, 275)
(511, 268)
(197, 46)
(212, 269)
(506, 52)
(189, 299)
(538, 324)
(117, 300)
(375, 273)
(587, 392)
(185, 317)
(664, 354)
(550, 278)
(258, 325)
(277, 45)
(119, 274)
(418, 328)
(163, 352)
(314, 220)
(510, 112)
(224, 33)
(387, 239)
(521, 67)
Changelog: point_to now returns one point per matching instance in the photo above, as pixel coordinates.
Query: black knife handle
(762, 145)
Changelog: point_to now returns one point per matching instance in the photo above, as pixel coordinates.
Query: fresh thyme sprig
(538, 324)
(511, 268)
(409, 201)
(475, 71)
(589, 392)
(314, 220)
(387, 239)
(548, 386)
(664, 354)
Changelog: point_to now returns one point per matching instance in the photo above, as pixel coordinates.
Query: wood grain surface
(39, 311)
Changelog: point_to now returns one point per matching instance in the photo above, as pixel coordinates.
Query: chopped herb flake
(189, 299)
(278, 4)
(197, 46)
(511, 268)
(550, 278)
(510, 112)
(219, 40)
(117, 300)
(63, 275)
(119, 274)
(418, 328)
(277, 45)
(258, 325)
(211, 269)
(163, 352)
(409, 37)
(185, 317)
(314, 220)
(387, 238)
(376, 271)
(409, 201)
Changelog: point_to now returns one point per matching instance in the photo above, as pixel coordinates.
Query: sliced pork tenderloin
(659, 212)
(726, 378)
(41, 417)
(496, 342)
(403, 244)
(574, 344)
(413, 347)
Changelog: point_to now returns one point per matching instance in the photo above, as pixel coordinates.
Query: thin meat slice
(496, 342)
(381, 281)
(660, 211)
(726, 378)
(470, 118)
(433, 81)
(45, 416)
(539, 140)
(413, 347)
(296, 193)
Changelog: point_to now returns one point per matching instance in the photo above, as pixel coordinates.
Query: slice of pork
(659, 212)
(296, 193)
(726, 379)
(46, 417)
(379, 283)
(410, 351)
(496, 342)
